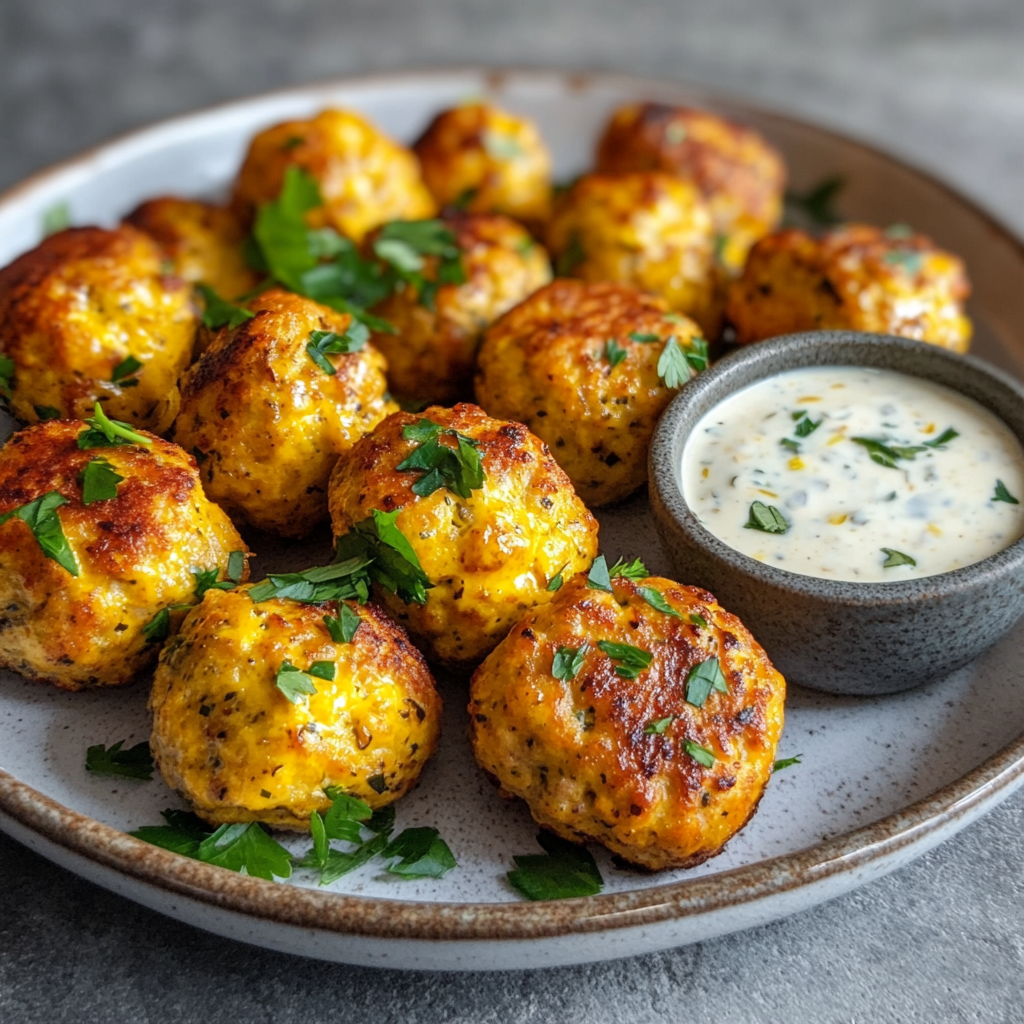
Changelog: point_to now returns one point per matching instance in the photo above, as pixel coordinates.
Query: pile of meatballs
(176, 387)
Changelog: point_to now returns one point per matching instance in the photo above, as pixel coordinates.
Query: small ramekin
(840, 637)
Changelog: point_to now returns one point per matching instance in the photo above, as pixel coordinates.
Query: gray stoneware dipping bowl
(854, 638)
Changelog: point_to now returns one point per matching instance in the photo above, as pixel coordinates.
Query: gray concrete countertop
(939, 82)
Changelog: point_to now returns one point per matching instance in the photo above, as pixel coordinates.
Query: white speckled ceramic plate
(882, 780)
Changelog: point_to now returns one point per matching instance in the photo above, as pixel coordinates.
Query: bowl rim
(739, 370)
(854, 851)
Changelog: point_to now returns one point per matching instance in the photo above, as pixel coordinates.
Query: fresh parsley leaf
(346, 816)
(564, 871)
(134, 763)
(328, 343)
(103, 432)
(792, 445)
(321, 847)
(643, 338)
(403, 244)
(324, 670)
(673, 366)
(56, 218)
(657, 601)
(218, 312)
(632, 660)
(556, 581)
(44, 412)
(568, 661)
(599, 578)
(158, 628)
(806, 426)
(635, 570)
(183, 833)
(343, 628)
(422, 853)
(246, 848)
(697, 354)
(99, 481)
(294, 683)
(699, 753)
(7, 377)
(41, 518)
(1002, 494)
(382, 821)
(458, 468)
(206, 579)
(887, 455)
(658, 726)
(570, 258)
(281, 231)
(339, 863)
(343, 579)
(786, 762)
(614, 352)
(125, 370)
(943, 439)
(766, 518)
(236, 566)
(896, 558)
(818, 203)
(702, 679)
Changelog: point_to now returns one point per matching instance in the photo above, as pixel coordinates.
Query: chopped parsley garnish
(41, 518)
(246, 848)
(702, 679)
(206, 579)
(183, 833)
(766, 518)
(805, 425)
(343, 628)
(657, 601)
(103, 432)
(887, 455)
(124, 372)
(673, 366)
(556, 581)
(324, 670)
(563, 871)
(568, 661)
(943, 439)
(786, 762)
(644, 339)
(344, 821)
(896, 558)
(1002, 494)
(7, 377)
(458, 468)
(343, 579)
(817, 204)
(56, 218)
(218, 312)
(99, 481)
(599, 578)
(635, 570)
(46, 412)
(236, 566)
(421, 853)
(134, 763)
(614, 352)
(294, 683)
(403, 244)
(658, 726)
(632, 660)
(570, 258)
(158, 628)
(792, 445)
(322, 344)
(699, 753)
(698, 620)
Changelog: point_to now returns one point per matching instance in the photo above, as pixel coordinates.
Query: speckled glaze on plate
(840, 637)
(882, 779)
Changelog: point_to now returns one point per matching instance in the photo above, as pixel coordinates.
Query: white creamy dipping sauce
(851, 473)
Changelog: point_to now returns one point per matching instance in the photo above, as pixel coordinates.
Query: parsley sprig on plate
(456, 466)
(134, 763)
(563, 871)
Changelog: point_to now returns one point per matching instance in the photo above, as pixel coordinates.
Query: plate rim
(377, 917)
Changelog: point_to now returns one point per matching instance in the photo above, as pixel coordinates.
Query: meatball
(203, 242)
(93, 612)
(490, 553)
(90, 314)
(595, 712)
(265, 418)
(365, 178)
(855, 277)
(649, 230)
(740, 175)
(579, 365)
(432, 355)
(241, 743)
(487, 161)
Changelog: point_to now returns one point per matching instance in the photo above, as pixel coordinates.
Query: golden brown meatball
(202, 241)
(650, 761)
(267, 422)
(89, 314)
(648, 230)
(239, 746)
(489, 556)
(740, 175)
(365, 178)
(857, 278)
(579, 365)
(432, 355)
(487, 161)
(77, 617)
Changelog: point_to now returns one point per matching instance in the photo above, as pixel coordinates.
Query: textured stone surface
(937, 81)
